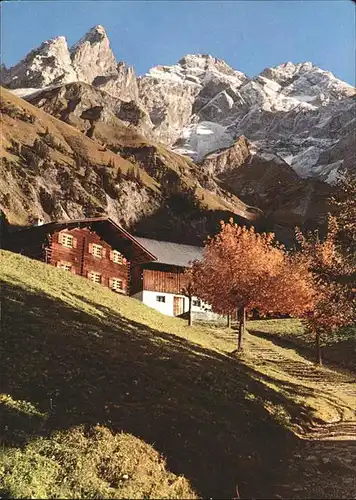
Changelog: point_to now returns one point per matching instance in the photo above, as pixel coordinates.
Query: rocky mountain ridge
(297, 112)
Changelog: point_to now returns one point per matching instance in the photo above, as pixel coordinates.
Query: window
(160, 298)
(196, 302)
(117, 284)
(67, 240)
(117, 257)
(97, 250)
(94, 277)
(66, 266)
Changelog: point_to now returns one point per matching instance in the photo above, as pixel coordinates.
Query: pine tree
(130, 176)
(111, 163)
(118, 175)
(138, 178)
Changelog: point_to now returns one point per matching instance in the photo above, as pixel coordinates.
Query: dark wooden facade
(160, 278)
(164, 274)
(97, 249)
(83, 261)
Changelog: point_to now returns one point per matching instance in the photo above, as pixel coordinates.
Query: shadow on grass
(337, 356)
(190, 403)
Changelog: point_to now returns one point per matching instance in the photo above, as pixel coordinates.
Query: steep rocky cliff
(91, 110)
(269, 183)
(51, 170)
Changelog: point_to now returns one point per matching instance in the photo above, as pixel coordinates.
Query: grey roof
(172, 253)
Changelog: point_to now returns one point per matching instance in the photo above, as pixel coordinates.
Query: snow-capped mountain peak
(47, 64)
(302, 78)
(297, 111)
(284, 73)
(198, 69)
(90, 60)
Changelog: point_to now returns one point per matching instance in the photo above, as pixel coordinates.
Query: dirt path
(327, 397)
(323, 462)
(319, 405)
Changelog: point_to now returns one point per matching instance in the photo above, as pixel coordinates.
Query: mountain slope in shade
(53, 171)
(269, 183)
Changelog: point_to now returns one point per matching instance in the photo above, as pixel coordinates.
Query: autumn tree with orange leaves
(245, 270)
(334, 278)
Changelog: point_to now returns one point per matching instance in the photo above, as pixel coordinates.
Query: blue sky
(249, 35)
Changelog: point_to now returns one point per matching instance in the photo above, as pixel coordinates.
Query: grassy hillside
(79, 354)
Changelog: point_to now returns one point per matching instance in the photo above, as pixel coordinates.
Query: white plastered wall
(150, 299)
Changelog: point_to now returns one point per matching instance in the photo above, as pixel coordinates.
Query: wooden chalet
(104, 252)
(96, 248)
(159, 283)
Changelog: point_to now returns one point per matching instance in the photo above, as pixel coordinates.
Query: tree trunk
(242, 322)
(228, 323)
(190, 316)
(318, 348)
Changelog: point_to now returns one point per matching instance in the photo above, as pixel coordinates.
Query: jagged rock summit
(92, 55)
(90, 60)
(49, 64)
(95, 63)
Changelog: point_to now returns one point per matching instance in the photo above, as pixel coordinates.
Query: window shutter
(58, 264)
(75, 242)
(110, 282)
(111, 255)
(91, 248)
(60, 238)
(103, 252)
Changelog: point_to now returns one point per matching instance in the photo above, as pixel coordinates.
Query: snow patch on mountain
(201, 139)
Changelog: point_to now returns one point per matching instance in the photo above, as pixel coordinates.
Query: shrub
(16, 112)
(50, 140)
(41, 149)
(92, 463)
